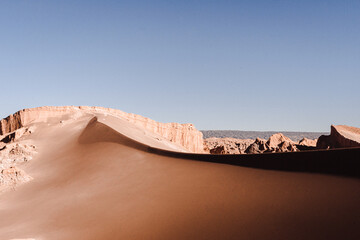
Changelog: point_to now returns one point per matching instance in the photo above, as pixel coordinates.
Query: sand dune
(103, 177)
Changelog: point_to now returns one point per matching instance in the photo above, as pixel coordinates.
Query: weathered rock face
(13, 155)
(308, 142)
(218, 150)
(286, 146)
(276, 143)
(324, 142)
(228, 145)
(258, 146)
(341, 136)
(276, 139)
(183, 134)
(11, 123)
(15, 135)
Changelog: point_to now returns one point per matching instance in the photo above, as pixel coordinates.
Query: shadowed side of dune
(343, 162)
(96, 131)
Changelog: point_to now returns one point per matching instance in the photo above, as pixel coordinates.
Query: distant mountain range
(295, 136)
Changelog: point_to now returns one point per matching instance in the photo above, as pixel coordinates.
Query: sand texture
(185, 135)
(101, 176)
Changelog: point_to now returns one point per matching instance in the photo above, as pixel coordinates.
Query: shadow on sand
(344, 162)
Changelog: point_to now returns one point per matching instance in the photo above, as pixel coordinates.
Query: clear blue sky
(246, 65)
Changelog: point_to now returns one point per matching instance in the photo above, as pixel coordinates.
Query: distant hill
(295, 136)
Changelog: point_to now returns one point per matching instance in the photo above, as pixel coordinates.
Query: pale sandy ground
(95, 183)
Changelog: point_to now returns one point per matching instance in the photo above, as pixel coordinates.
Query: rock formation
(341, 136)
(10, 177)
(219, 150)
(286, 146)
(13, 155)
(274, 140)
(308, 142)
(276, 143)
(183, 134)
(258, 146)
(17, 134)
(229, 145)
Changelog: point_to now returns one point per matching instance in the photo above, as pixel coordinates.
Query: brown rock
(286, 146)
(16, 135)
(258, 146)
(218, 150)
(308, 142)
(231, 145)
(252, 149)
(275, 140)
(206, 149)
(262, 144)
(341, 136)
(324, 142)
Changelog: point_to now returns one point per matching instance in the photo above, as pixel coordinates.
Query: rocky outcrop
(227, 145)
(308, 142)
(13, 155)
(10, 177)
(17, 134)
(324, 142)
(183, 134)
(286, 146)
(276, 143)
(258, 146)
(218, 150)
(341, 136)
(276, 139)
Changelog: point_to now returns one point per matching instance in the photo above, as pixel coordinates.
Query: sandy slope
(96, 179)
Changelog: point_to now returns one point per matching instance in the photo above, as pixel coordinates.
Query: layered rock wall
(183, 134)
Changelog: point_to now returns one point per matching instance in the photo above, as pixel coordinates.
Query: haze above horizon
(245, 65)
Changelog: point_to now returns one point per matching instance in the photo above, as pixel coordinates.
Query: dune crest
(184, 134)
(96, 132)
(99, 176)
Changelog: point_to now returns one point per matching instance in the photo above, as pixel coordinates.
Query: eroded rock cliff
(184, 134)
(341, 136)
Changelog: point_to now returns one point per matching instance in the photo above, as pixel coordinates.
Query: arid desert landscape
(179, 120)
(99, 173)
